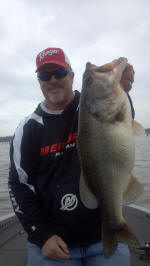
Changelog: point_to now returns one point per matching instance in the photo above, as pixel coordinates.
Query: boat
(12, 242)
(13, 238)
(138, 219)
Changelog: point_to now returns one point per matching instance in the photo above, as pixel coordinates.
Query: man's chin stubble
(56, 99)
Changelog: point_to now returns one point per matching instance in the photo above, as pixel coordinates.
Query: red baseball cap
(52, 56)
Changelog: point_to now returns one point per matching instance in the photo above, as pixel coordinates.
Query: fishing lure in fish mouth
(106, 150)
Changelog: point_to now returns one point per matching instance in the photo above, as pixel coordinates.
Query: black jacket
(44, 177)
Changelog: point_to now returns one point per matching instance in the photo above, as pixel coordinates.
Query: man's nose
(53, 79)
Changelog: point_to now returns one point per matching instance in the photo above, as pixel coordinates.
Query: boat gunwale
(7, 220)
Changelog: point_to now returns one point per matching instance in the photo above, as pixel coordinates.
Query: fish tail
(109, 240)
(111, 237)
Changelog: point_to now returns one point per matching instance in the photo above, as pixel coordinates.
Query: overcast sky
(89, 30)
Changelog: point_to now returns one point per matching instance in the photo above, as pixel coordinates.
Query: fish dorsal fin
(137, 128)
(87, 198)
(133, 191)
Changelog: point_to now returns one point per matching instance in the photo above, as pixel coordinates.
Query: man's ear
(72, 75)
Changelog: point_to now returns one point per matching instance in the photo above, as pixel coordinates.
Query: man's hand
(55, 248)
(127, 78)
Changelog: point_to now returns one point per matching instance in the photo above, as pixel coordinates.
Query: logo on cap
(52, 55)
(49, 52)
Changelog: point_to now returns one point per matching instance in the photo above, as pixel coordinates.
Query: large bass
(106, 150)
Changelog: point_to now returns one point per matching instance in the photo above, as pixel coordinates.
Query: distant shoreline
(6, 139)
(147, 130)
(9, 138)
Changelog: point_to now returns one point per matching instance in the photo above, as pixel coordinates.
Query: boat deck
(12, 243)
(13, 239)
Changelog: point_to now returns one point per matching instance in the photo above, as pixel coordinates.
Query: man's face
(58, 93)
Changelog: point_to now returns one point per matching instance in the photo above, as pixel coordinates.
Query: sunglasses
(58, 74)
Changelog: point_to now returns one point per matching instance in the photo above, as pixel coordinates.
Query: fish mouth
(110, 67)
(107, 76)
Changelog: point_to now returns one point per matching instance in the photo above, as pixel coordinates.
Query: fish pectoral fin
(87, 197)
(111, 237)
(133, 191)
(137, 128)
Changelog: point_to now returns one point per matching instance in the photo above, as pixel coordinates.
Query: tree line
(9, 138)
(147, 130)
(5, 139)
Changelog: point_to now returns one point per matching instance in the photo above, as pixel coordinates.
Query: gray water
(141, 171)
(5, 204)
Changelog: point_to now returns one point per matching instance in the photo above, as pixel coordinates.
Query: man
(45, 171)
